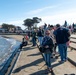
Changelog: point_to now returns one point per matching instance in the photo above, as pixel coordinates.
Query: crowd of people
(49, 37)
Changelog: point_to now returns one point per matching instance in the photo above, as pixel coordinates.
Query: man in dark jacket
(40, 35)
(62, 37)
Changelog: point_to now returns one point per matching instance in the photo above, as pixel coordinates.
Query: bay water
(7, 47)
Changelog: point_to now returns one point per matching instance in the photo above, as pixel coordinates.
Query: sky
(50, 11)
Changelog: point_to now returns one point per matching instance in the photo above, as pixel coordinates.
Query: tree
(36, 20)
(31, 22)
(28, 22)
(7, 26)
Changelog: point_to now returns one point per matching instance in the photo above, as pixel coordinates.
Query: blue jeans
(40, 40)
(47, 58)
(63, 51)
(34, 41)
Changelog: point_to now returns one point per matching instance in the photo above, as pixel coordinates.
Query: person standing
(40, 35)
(34, 38)
(45, 28)
(52, 36)
(62, 37)
(47, 44)
(51, 28)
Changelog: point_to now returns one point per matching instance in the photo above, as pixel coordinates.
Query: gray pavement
(30, 62)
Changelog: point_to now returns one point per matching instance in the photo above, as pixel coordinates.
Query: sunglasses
(47, 33)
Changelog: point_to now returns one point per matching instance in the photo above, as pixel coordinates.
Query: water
(7, 47)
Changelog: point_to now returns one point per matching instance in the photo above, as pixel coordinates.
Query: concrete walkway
(30, 62)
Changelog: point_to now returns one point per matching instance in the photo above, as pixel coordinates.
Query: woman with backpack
(47, 45)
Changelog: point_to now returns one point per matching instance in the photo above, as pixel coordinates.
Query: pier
(30, 61)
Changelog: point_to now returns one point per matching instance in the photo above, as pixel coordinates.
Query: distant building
(0, 26)
(2, 30)
(11, 30)
(18, 29)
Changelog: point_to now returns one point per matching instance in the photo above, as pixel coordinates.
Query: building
(2, 30)
(18, 29)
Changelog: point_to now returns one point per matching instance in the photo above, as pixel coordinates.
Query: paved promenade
(30, 62)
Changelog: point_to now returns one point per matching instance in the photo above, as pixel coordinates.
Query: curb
(73, 37)
(72, 48)
(72, 62)
(7, 65)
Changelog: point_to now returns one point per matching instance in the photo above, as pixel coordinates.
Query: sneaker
(61, 61)
(50, 69)
(65, 60)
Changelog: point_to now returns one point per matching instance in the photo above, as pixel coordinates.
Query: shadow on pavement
(28, 65)
(43, 72)
(54, 65)
(35, 54)
(27, 48)
(46, 72)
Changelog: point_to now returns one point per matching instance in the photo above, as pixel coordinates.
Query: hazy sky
(51, 11)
